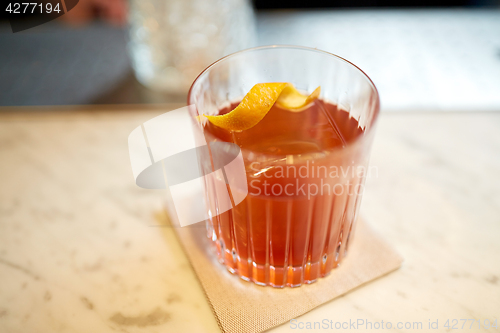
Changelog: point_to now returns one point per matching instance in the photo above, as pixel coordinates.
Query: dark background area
(318, 4)
(62, 64)
(277, 4)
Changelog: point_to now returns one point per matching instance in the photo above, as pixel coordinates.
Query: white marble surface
(79, 250)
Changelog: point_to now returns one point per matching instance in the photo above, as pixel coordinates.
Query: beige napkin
(241, 306)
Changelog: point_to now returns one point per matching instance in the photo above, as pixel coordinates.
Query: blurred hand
(112, 11)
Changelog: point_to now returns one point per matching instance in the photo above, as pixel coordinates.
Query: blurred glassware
(171, 41)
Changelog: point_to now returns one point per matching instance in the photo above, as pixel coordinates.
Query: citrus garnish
(292, 100)
(257, 103)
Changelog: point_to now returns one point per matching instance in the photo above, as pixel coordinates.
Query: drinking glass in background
(172, 41)
(290, 236)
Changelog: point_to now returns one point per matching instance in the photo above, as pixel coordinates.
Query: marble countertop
(80, 249)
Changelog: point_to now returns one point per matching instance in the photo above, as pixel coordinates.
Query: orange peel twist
(257, 103)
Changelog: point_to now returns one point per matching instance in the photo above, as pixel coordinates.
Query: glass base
(278, 276)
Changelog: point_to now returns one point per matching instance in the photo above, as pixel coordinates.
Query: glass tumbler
(290, 237)
(172, 41)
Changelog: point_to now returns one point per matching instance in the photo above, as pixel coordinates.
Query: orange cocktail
(305, 168)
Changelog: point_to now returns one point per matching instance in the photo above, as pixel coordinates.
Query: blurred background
(422, 55)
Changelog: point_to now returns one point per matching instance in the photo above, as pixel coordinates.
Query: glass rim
(350, 143)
